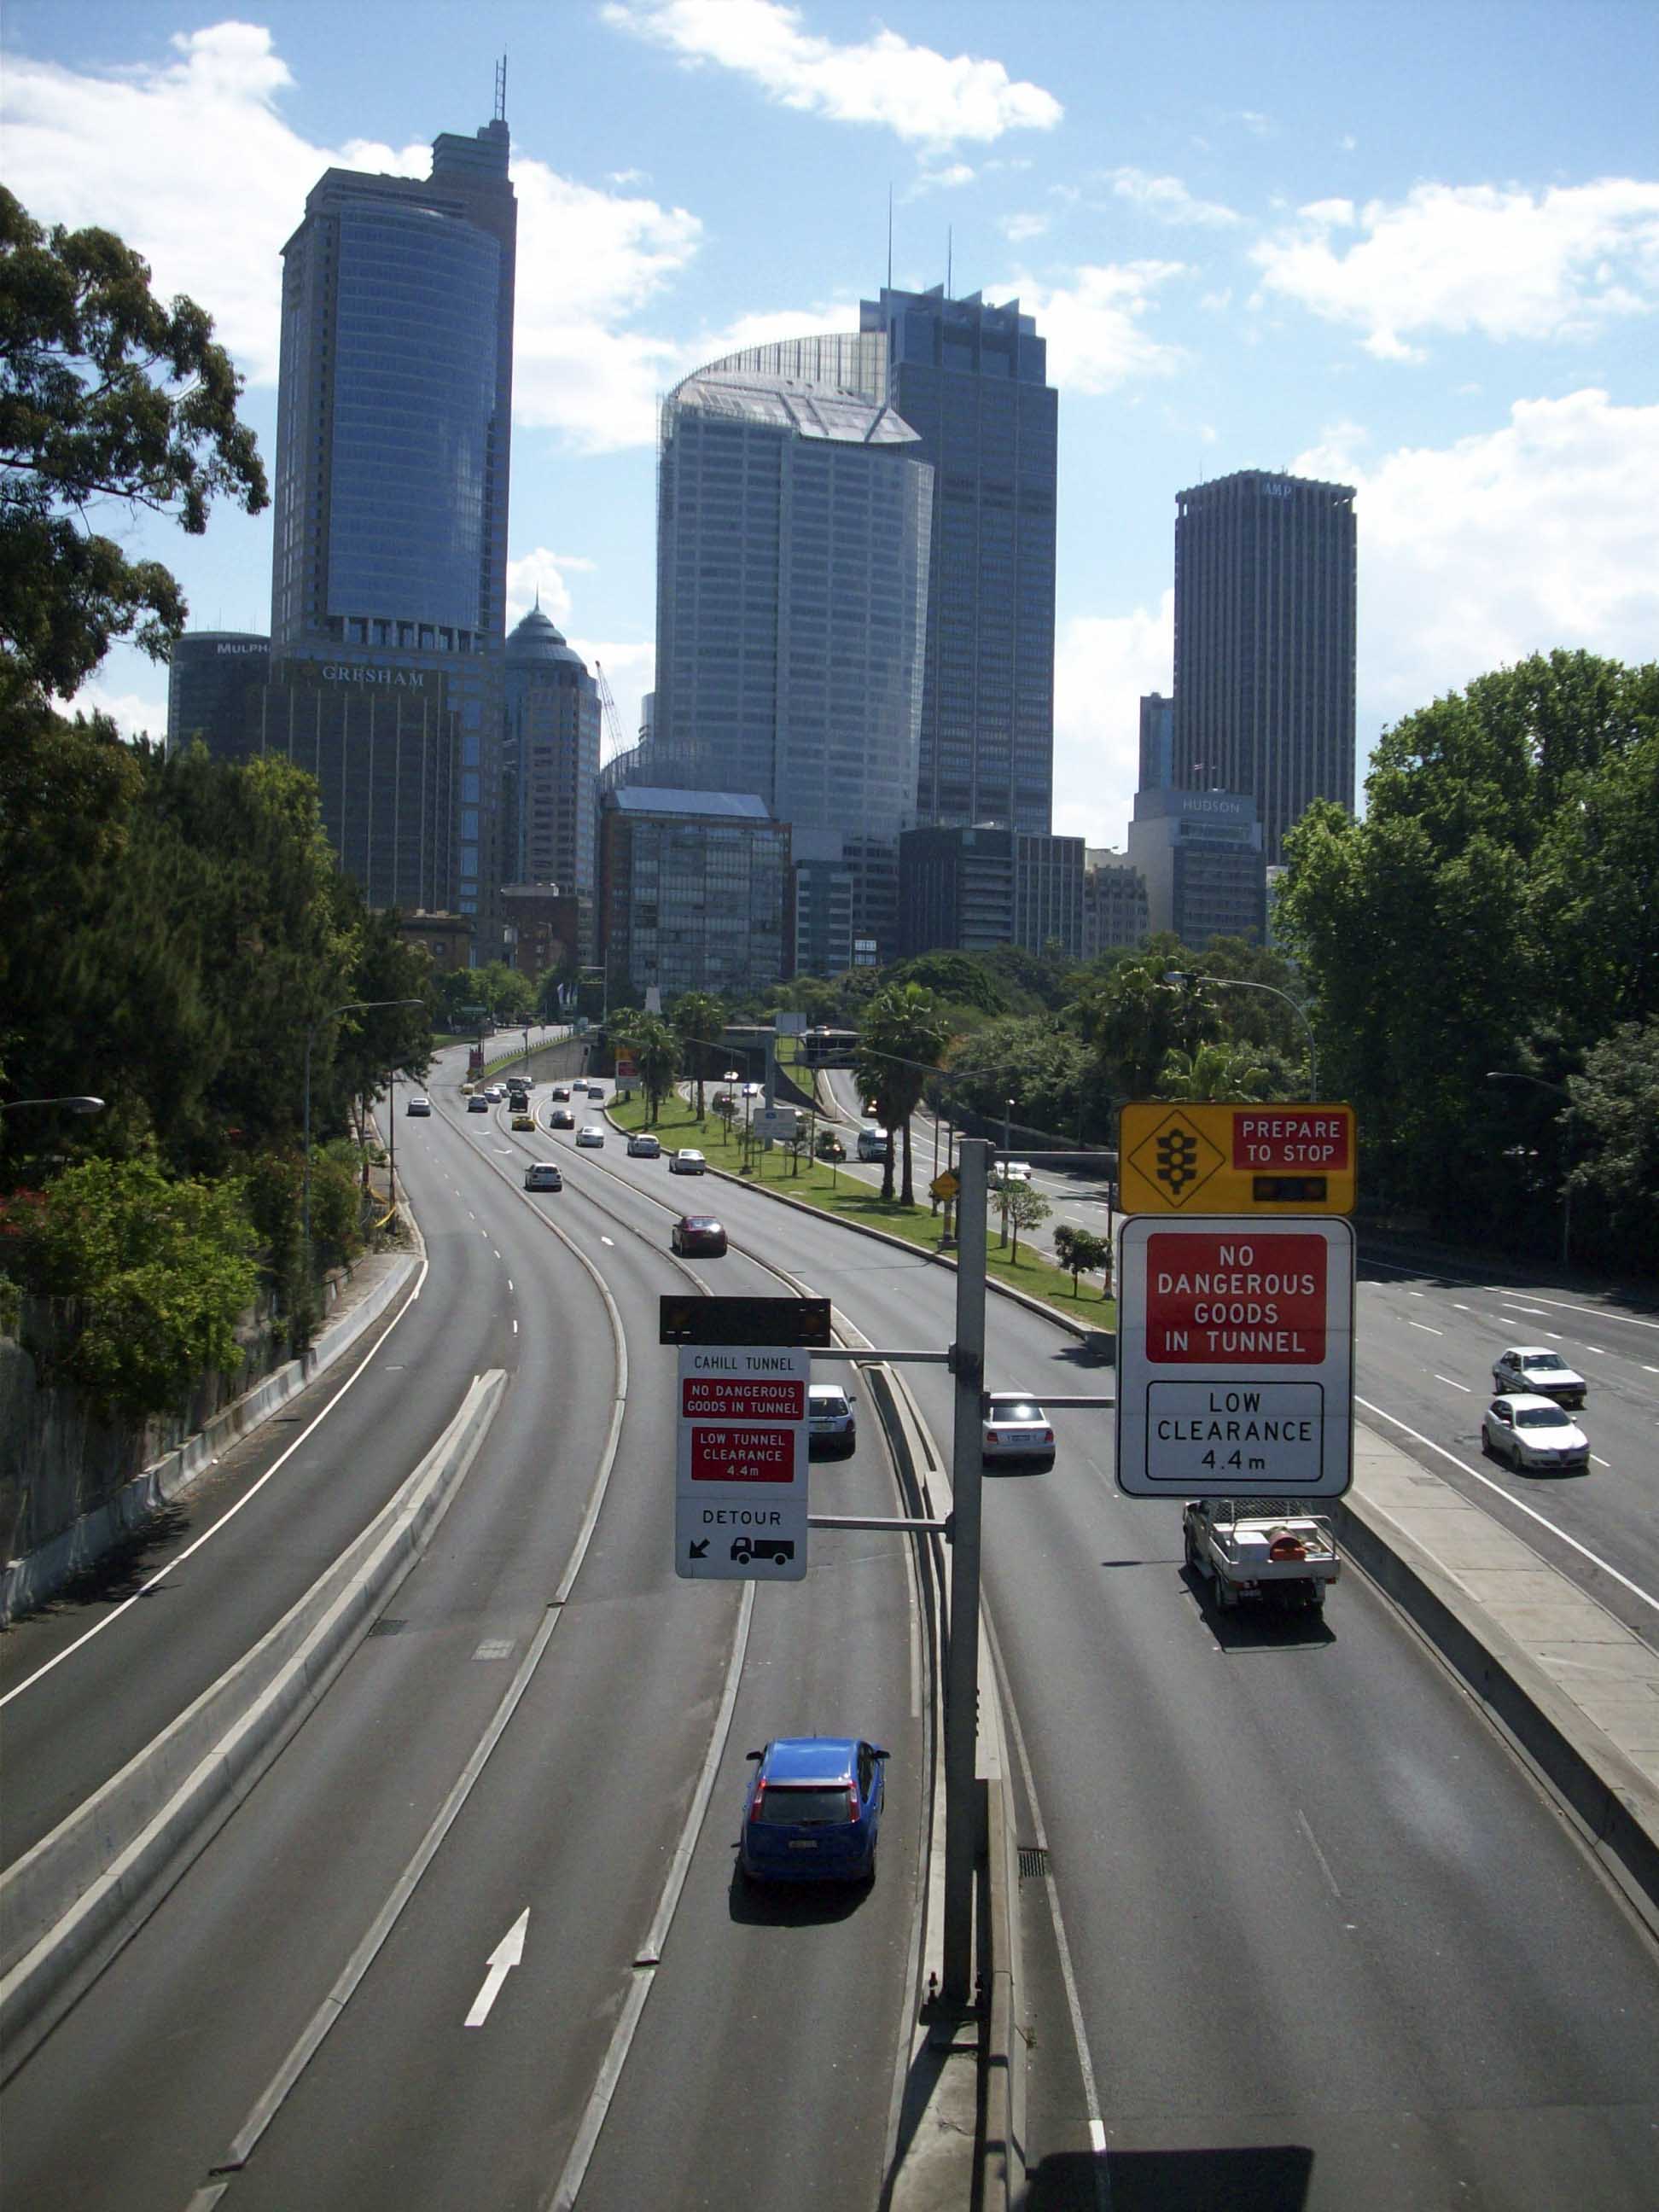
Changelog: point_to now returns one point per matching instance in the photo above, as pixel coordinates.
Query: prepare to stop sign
(1300, 1139)
(1235, 1357)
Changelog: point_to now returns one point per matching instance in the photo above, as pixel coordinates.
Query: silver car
(590, 1133)
(686, 1162)
(1534, 1369)
(831, 1425)
(1016, 1431)
(1530, 1431)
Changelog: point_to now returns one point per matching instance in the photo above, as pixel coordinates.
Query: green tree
(1614, 1122)
(157, 1274)
(902, 1037)
(1022, 1207)
(1214, 1071)
(1082, 1252)
(104, 394)
(699, 1021)
(657, 1056)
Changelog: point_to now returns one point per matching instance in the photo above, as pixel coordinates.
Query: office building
(693, 893)
(1200, 854)
(792, 534)
(1264, 644)
(543, 928)
(393, 450)
(971, 381)
(1049, 894)
(383, 741)
(974, 888)
(1114, 911)
(1156, 742)
(208, 672)
(550, 760)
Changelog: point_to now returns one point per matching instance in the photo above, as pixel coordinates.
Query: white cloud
(1474, 257)
(914, 91)
(131, 152)
(1093, 324)
(949, 178)
(135, 713)
(1348, 143)
(541, 574)
(1102, 663)
(1016, 228)
(1543, 532)
(1168, 199)
(1259, 126)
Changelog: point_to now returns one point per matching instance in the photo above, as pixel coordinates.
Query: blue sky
(1412, 246)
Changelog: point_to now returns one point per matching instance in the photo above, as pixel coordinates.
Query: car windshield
(1536, 1361)
(1541, 1417)
(790, 1805)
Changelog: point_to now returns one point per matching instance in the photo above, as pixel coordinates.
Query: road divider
(72, 1900)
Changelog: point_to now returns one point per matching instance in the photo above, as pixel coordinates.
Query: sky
(1411, 245)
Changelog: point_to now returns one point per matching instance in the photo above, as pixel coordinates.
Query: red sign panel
(1259, 1299)
(1299, 1138)
(742, 1398)
(749, 1455)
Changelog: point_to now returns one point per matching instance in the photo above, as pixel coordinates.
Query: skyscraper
(393, 446)
(1264, 644)
(551, 760)
(792, 531)
(971, 381)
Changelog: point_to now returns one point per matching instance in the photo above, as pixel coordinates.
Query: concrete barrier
(69, 1903)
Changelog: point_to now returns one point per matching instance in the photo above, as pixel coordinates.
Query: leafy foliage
(1021, 1207)
(1081, 1252)
(1615, 1119)
(904, 1036)
(158, 1272)
(104, 394)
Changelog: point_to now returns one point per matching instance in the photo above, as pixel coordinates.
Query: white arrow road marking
(506, 1955)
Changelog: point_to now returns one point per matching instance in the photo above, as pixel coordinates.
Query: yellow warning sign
(944, 1185)
(1207, 1158)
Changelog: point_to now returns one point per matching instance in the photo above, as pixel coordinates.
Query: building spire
(890, 237)
(500, 90)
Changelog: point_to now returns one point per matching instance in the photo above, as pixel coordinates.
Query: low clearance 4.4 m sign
(1235, 1358)
(740, 1488)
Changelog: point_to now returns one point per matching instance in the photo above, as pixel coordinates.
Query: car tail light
(755, 1808)
(1048, 1436)
(1287, 1548)
(852, 1800)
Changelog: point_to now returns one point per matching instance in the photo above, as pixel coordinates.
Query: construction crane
(612, 720)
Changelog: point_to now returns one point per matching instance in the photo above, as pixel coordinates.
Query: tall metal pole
(306, 1209)
(962, 1661)
(392, 1126)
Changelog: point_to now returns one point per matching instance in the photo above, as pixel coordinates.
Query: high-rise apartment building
(393, 447)
(550, 760)
(792, 532)
(1156, 742)
(971, 381)
(693, 893)
(1264, 644)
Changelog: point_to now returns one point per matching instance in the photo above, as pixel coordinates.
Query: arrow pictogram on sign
(1178, 1157)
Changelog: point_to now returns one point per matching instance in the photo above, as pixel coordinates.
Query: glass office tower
(393, 447)
(971, 381)
(1265, 582)
(793, 522)
(551, 760)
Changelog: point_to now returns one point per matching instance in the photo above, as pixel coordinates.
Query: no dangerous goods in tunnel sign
(1235, 1358)
(1204, 1159)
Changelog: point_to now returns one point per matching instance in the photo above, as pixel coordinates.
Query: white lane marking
(1426, 1328)
(607, 1240)
(507, 1954)
(1597, 1350)
(1461, 1306)
(509, 1282)
(569, 2185)
(207, 1534)
(1410, 1294)
(1313, 1845)
(515, 1324)
(1572, 1542)
(1537, 1312)
(492, 1248)
(1599, 1461)
(1646, 1370)
(1553, 1335)
(1463, 1387)
(484, 1233)
(1499, 1290)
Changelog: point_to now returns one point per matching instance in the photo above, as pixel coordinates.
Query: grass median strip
(828, 1186)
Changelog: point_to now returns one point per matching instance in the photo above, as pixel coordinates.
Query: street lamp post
(1180, 976)
(351, 1007)
(1557, 1091)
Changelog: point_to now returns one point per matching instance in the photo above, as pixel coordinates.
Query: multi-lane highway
(1296, 1930)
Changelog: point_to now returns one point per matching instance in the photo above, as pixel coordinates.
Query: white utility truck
(1261, 1547)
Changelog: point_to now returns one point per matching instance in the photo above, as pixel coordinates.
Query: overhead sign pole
(961, 1664)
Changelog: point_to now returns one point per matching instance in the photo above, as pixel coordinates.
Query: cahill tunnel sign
(1235, 1358)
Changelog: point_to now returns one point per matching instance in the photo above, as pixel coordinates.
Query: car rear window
(786, 1805)
(1016, 1409)
(829, 1401)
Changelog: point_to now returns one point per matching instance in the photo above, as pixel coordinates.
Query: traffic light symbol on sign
(1177, 1159)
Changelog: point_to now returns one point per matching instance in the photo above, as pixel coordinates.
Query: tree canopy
(106, 394)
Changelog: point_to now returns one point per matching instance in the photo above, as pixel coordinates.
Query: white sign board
(775, 1121)
(740, 1474)
(1235, 1357)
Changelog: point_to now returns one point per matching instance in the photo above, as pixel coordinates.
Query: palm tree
(657, 1056)
(699, 1021)
(903, 1034)
(1215, 1072)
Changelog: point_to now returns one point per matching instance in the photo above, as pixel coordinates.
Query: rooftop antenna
(500, 90)
(890, 237)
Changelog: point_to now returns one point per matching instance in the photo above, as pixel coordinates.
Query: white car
(418, 1105)
(687, 1161)
(1532, 1431)
(493, 1093)
(1012, 1171)
(642, 1145)
(752, 1091)
(1015, 1429)
(542, 1175)
(590, 1133)
(831, 1424)
(1541, 1372)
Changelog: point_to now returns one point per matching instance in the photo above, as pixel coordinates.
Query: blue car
(813, 1812)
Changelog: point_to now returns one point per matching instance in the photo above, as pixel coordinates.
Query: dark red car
(698, 1232)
